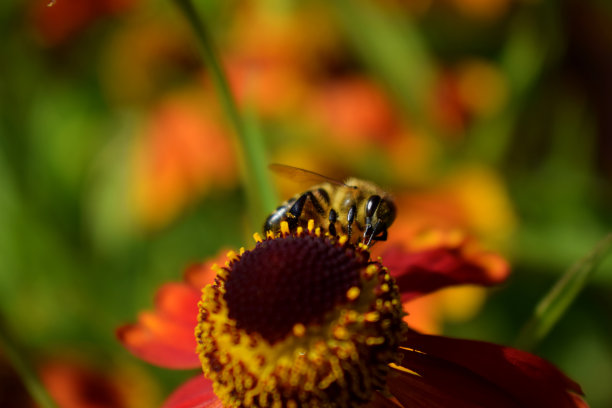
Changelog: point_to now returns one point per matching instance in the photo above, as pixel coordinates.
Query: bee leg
(373, 232)
(368, 230)
(274, 219)
(333, 216)
(350, 218)
(298, 207)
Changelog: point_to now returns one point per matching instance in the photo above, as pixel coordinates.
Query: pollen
(372, 317)
(231, 256)
(300, 320)
(257, 237)
(353, 293)
(284, 227)
(370, 271)
(299, 330)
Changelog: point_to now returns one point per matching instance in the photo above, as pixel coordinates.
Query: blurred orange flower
(471, 202)
(74, 383)
(272, 57)
(472, 199)
(472, 89)
(355, 111)
(182, 153)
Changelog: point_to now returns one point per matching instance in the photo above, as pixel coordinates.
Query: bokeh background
(118, 167)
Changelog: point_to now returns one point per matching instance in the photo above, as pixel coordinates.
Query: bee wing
(302, 175)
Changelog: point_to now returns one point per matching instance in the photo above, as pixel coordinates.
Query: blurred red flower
(60, 20)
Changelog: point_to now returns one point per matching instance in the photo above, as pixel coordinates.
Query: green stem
(211, 60)
(255, 174)
(25, 372)
(554, 304)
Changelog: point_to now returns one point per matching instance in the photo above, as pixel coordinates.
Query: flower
(67, 18)
(76, 382)
(356, 112)
(179, 156)
(309, 319)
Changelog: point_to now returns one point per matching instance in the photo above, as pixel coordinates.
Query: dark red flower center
(290, 280)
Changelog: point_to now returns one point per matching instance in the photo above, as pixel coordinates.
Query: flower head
(308, 320)
(300, 320)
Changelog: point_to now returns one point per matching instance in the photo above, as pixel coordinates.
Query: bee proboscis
(358, 208)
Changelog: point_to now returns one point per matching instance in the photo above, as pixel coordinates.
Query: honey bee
(357, 208)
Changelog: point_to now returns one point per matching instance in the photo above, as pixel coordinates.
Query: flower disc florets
(301, 320)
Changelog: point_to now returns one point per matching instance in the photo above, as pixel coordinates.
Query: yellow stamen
(340, 333)
(372, 316)
(353, 293)
(404, 369)
(372, 341)
(299, 330)
(343, 239)
(370, 271)
(284, 227)
(231, 256)
(257, 237)
(311, 225)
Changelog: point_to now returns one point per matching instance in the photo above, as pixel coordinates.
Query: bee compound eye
(371, 205)
(391, 212)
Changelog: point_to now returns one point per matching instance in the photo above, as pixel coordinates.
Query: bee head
(380, 213)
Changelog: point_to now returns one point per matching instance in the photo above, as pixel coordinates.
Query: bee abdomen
(324, 195)
(299, 209)
(273, 221)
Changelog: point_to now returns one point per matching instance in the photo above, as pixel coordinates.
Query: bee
(357, 208)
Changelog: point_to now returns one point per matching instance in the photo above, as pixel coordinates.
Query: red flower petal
(179, 302)
(195, 393)
(442, 384)
(202, 274)
(420, 272)
(476, 371)
(166, 337)
(380, 401)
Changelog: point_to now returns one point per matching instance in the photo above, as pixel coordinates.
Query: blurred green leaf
(552, 306)
(257, 176)
(107, 208)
